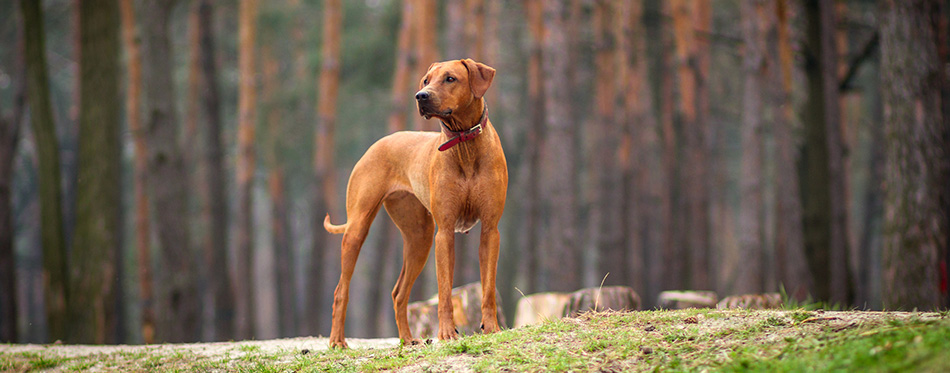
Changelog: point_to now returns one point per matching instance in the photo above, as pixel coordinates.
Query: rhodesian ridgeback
(450, 179)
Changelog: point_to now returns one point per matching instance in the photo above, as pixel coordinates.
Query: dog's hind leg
(417, 228)
(360, 216)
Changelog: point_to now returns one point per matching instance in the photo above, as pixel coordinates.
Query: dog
(450, 179)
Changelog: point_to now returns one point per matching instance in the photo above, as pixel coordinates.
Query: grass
(686, 340)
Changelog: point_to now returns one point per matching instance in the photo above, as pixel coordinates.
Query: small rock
(304, 351)
(691, 320)
(646, 350)
(649, 328)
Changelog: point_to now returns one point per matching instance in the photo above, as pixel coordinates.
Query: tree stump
(537, 308)
(752, 301)
(467, 312)
(677, 300)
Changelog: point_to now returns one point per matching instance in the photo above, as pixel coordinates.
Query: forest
(166, 165)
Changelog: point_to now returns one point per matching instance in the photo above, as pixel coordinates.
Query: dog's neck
(464, 120)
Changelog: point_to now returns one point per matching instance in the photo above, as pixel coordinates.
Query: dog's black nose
(422, 96)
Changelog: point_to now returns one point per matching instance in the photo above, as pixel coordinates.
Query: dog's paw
(489, 328)
(341, 344)
(445, 335)
(411, 342)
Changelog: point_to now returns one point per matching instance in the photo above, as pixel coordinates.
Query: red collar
(456, 137)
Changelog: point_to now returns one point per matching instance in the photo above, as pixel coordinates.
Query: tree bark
(813, 168)
(635, 147)
(215, 212)
(9, 137)
(674, 256)
(533, 144)
(283, 255)
(10, 130)
(177, 301)
(917, 163)
(143, 238)
(560, 264)
(687, 16)
(840, 269)
(246, 163)
(51, 210)
(749, 278)
(823, 184)
(605, 218)
(95, 241)
(791, 266)
(324, 192)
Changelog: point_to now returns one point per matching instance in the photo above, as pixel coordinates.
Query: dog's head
(451, 86)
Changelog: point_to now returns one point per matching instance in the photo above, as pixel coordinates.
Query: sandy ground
(235, 349)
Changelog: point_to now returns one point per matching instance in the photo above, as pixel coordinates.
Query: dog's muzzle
(427, 105)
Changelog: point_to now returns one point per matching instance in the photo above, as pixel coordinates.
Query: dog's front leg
(445, 268)
(488, 265)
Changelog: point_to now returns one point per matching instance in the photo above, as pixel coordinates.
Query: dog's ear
(479, 76)
(421, 84)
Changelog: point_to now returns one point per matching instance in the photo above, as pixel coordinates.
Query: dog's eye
(450, 79)
(426, 81)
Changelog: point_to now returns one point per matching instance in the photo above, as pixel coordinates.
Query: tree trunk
(560, 265)
(143, 238)
(533, 146)
(917, 163)
(51, 212)
(177, 301)
(9, 137)
(674, 257)
(791, 266)
(837, 187)
(95, 241)
(638, 135)
(190, 145)
(283, 254)
(215, 212)
(605, 217)
(749, 278)
(10, 130)
(324, 192)
(687, 16)
(823, 185)
(813, 167)
(650, 147)
(870, 242)
(247, 121)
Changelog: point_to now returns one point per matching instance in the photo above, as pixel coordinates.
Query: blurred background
(165, 166)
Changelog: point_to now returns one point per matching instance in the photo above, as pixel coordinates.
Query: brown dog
(451, 179)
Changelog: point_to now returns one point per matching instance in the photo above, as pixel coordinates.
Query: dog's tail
(333, 229)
